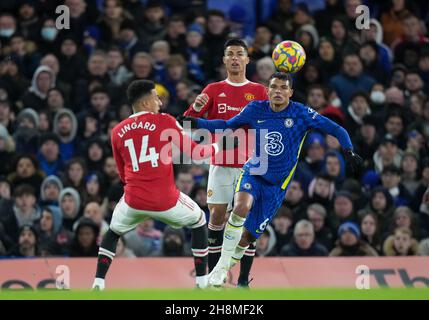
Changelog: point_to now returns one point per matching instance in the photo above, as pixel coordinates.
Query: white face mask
(7, 33)
(336, 102)
(378, 97)
(49, 33)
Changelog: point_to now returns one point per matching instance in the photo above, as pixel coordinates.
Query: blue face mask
(49, 33)
(7, 33)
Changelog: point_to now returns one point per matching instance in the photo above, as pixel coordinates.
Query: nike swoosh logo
(259, 231)
(260, 121)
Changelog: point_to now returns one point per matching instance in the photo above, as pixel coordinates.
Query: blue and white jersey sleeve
(242, 119)
(316, 121)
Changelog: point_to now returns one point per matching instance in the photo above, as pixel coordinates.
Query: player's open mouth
(235, 65)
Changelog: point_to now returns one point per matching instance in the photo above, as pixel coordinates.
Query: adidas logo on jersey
(222, 95)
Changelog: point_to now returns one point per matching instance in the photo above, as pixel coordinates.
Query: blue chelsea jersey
(279, 136)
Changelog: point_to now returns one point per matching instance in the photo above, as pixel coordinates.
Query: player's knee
(201, 221)
(241, 209)
(217, 215)
(115, 231)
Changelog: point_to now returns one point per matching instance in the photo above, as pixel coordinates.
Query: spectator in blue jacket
(49, 154)
(352, 79)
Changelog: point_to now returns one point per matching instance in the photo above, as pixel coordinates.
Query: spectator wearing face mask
(391, 180)
(378, 99)
(48, 40)
(26, 133)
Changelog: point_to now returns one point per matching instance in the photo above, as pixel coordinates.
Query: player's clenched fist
(200, 101)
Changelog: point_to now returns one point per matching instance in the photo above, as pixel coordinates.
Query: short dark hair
(391, 169)
(99, 89)
(236, 42)
(324, 176)
(216, 13)
(317, 86)
(24, 189)
(282, 76)
(351, 53)
(139, 89)
(177, 18)
(362, 94)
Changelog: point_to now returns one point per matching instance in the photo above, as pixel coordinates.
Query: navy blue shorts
(267, 199)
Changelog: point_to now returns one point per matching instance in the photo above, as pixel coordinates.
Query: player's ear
(247, 59)
(290, 92)
(223, 59)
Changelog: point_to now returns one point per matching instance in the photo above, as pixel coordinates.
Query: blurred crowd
(62, 92)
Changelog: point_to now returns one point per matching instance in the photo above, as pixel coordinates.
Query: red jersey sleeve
(199, 114)
(120, 163)
(264, 93)
(187, 145)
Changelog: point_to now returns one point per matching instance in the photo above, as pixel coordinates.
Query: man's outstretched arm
(239, 120)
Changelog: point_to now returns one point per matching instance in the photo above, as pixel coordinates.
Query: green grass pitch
(227, 294)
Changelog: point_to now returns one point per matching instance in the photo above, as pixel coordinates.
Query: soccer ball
(288, 56)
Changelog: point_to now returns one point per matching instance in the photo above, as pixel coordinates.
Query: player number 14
(153, 156)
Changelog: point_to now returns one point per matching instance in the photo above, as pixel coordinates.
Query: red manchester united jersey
(226, 100)
(142, 148)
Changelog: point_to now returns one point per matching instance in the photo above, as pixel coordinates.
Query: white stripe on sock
(107, 253)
